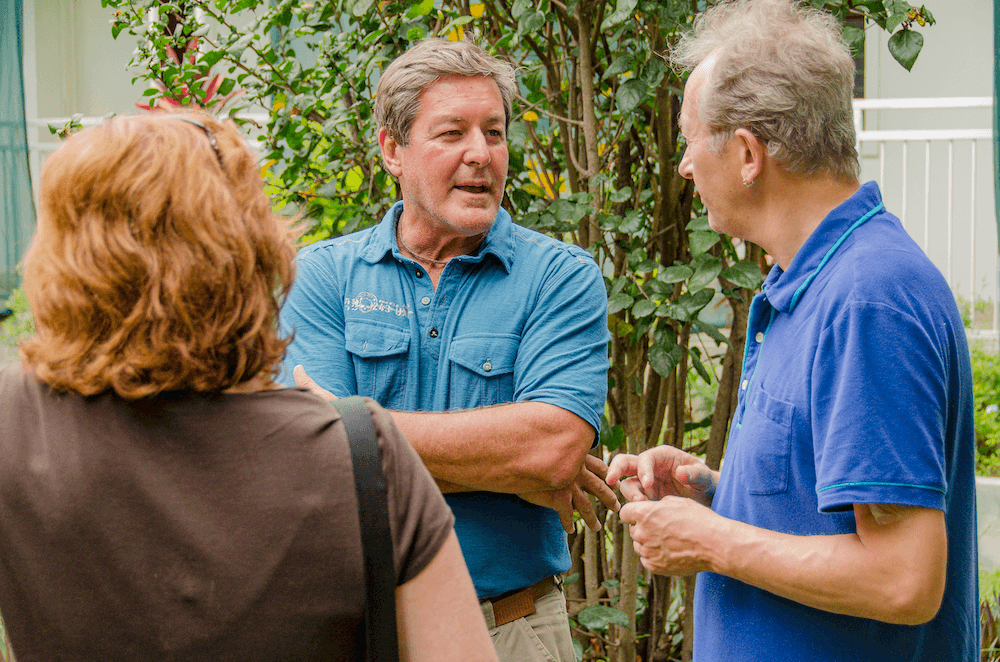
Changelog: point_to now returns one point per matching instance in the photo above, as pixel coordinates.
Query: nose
(477, 151)
(684, 169)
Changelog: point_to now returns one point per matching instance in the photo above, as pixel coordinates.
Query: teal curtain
(17, 207)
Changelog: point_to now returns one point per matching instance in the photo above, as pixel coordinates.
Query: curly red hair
(158, 263)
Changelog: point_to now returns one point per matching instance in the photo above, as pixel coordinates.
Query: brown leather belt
(512, 606)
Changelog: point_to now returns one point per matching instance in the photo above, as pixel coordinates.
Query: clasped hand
(669, 494)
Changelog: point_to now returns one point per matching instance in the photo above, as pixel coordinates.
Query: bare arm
(437, 613)
(892, 572)
(532, 449)
(519, 447)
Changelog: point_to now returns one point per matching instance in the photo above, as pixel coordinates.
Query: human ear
(391, 156)
(752, 155)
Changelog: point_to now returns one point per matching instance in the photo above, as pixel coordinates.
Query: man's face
(716, 176)
(453, 172)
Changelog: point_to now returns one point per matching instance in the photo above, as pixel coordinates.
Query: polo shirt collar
(499, 240)
(784, 289)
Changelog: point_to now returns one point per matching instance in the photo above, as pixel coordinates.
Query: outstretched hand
(573, 498)
(302, 380)
(663, 471)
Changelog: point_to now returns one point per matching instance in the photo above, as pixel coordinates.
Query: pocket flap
(371, 339)
(486, 355)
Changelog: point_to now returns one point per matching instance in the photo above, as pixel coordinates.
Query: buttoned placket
(760, 310)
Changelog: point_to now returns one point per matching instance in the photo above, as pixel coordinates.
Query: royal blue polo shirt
(524, 318)
(856, 388)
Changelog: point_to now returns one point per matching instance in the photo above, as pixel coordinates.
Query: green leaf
(664, 357)
(598, 617)
(622, 194)
(704, 274)
(530, 23)
(578, 650)
(905, 46)
(624, 9)
(687, 306)
(698, 223)
(701, 240)
(745, 274)
(421, 9)
(631, 93)
(619, 302)
(855, 38)
(520, 7)
(611, 584)
(571, 579)
(416, 34)
(612, 437)
(695, 355)
(362, 7)
(675, 273)
(644, 308)
(646, 266)
(711, 331)
(621, 64)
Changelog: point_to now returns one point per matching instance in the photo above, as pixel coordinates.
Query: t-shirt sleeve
(418, 515)
(879, 411)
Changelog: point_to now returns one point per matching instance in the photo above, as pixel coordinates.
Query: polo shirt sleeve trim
(843, 496)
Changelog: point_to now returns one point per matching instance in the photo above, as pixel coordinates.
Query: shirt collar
(784, 289)
(499, 240)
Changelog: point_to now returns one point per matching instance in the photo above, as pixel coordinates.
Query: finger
(586, 510)
(594, 484)
(623, 464)
(633, 511)
(632, 490)
(645, 470)
(596, 466)
(302, 380)
(564, 507)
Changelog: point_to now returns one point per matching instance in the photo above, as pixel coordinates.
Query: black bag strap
(376, 537)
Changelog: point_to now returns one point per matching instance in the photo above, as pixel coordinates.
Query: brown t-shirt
(192, 527)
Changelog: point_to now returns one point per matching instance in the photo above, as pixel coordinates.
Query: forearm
(519, 447)
(896, 576)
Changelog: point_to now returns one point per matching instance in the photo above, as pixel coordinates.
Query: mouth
(474, 188)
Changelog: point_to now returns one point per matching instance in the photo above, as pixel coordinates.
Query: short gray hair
(397, 99)
(782, 71)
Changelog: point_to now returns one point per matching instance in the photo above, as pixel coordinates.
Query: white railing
(918, 191)
(945, 198)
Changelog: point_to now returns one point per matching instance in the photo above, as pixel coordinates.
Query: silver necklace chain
(422, 258)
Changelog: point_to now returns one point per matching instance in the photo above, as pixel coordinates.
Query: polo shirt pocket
(765, 465)
(482, 369)
(379, 352)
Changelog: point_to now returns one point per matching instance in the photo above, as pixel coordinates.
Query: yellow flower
(265, 167)
(456, 34)
(477, 10)
(531, 116)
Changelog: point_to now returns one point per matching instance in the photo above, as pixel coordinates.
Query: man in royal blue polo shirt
(488, 341)
(842, 526)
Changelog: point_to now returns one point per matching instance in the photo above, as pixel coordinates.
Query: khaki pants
(539, 637)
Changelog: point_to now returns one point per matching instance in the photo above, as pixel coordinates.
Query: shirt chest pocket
(379, 353)
(766, 444)
(482, 370)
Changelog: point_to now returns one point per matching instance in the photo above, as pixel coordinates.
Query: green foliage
(986, 390)
(20, 324)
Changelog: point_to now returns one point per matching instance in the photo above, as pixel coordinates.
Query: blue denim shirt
(524, 318)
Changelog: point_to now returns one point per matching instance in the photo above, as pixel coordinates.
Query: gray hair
(782, 71)
(397, 99)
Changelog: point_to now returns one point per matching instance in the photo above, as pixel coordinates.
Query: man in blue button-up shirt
(842, 526)
(488, 341)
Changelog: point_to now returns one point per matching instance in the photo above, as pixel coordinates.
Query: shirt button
(744, 385)
(487, 366)
(425, 300)
(434, 333)
(760, 336)
(420, 274)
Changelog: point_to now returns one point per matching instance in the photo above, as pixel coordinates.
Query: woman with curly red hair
(160, 496)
